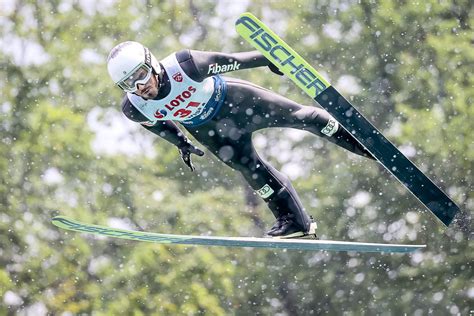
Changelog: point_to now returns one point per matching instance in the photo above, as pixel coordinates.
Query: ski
(268, 243)
(320, 90)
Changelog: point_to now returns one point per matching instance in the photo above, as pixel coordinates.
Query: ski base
(252, 242)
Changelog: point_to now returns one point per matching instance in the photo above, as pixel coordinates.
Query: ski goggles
(139, 76)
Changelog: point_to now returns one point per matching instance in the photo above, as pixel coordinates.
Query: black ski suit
(246, 109)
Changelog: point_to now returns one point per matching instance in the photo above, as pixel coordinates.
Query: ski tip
(60, 221)
(245, 16)
(56, 219)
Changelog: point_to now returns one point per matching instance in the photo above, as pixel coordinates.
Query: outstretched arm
(201, 65)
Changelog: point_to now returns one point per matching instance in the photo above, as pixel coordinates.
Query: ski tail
(391, 158)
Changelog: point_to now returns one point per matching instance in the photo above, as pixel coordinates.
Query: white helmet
(131, 63)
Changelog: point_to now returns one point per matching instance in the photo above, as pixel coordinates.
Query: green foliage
(412, 62)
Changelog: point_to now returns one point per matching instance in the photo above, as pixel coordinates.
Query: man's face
(148, 90)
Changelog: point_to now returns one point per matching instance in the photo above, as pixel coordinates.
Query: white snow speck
(119, 223)
(333, 30)
(348, 85)
(412, 217)
(52, 176)
(89, 56)
(408, 150)
(359, 278)
(158, 196)
(360, 199)
(437, 297)
(12, 299)
(470, 292)
(37, 309)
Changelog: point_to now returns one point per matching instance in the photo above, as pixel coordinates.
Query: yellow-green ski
(295, 244)
(319, 89)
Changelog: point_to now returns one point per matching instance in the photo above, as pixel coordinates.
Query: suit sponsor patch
(265, 192)
(148, 123)
(330, 128)
(217, 69)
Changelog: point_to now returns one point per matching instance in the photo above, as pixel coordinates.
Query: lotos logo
(178, 77)
(216, 68)
(176, 103)
(283, 56)
(159, 114)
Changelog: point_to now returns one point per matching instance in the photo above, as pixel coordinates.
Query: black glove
(186, 150)
(275, 69)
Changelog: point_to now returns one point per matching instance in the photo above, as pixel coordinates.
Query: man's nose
(140, 86)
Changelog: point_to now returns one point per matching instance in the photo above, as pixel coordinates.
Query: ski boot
(285, 228)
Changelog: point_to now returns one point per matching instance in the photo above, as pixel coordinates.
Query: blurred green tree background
(67, 149)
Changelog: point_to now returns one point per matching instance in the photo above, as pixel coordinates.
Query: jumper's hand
(186, 150)
(275, 69)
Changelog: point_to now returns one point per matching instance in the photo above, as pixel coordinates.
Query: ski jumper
(223, 112)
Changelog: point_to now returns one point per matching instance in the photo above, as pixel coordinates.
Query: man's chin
(150, 95)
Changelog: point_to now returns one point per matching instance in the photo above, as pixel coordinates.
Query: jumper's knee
(346, 140)
(306, 114)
